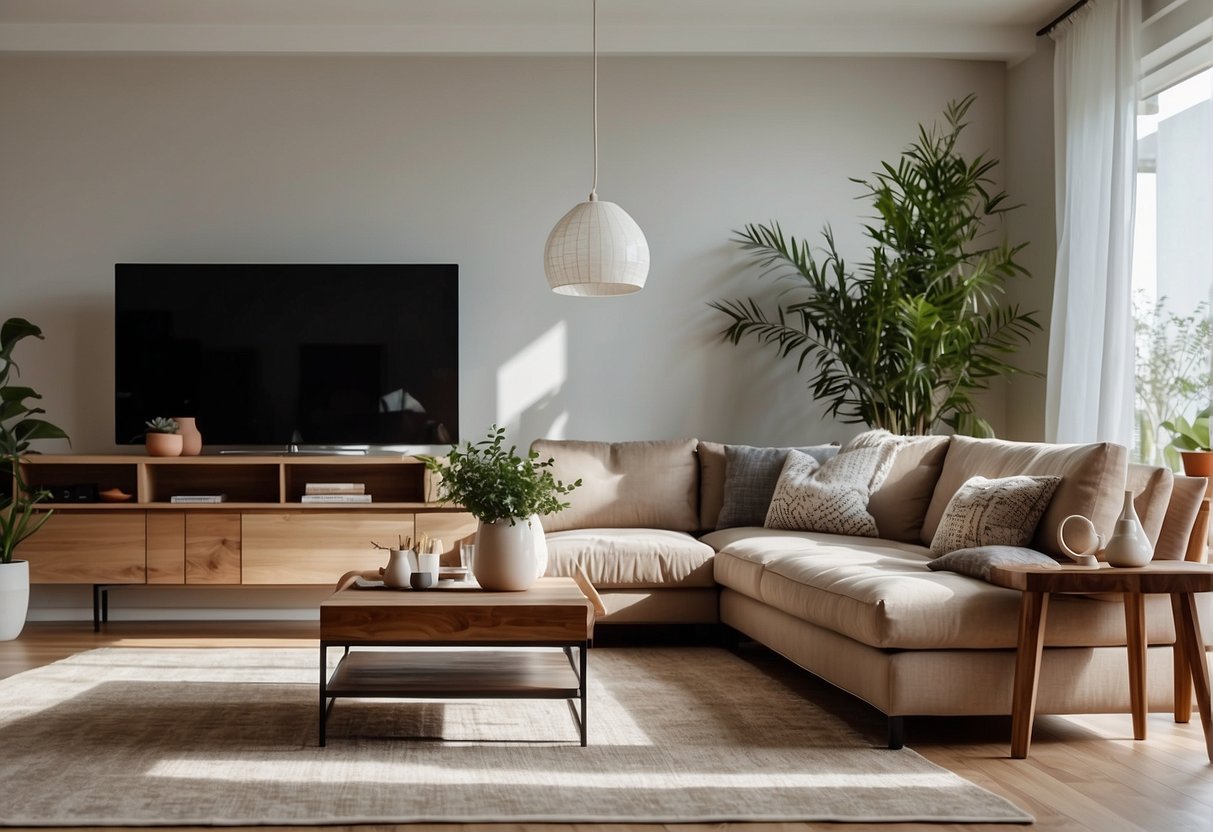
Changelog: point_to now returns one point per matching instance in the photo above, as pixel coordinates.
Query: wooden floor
(1084, 773)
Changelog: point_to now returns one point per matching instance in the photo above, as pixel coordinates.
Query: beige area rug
(146, 736)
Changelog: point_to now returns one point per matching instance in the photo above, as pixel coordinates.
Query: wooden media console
(261, 535)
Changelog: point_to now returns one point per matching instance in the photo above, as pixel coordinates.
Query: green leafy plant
(905, 340)
(494, 483)
(1190, 436)
(162, 425)
(18, 428)
(1172, 376)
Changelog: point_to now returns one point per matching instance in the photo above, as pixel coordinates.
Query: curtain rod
(1061, 18)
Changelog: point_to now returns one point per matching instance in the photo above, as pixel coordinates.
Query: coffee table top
(1155, 577)
(553, 611)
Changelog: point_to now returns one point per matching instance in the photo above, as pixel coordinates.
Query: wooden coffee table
(1179, 579)
(554, 613)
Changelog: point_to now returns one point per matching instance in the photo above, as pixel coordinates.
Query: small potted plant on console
(18, 518)
(507, 494)
(162, 438)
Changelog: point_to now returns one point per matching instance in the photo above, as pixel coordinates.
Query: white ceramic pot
(507, 556)
(14, 598)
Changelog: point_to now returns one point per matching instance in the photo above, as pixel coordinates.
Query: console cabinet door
(316, 548)
(212, 547)
(166, 547)
(86, 547)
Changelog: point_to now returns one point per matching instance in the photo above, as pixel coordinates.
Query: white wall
(466, 160)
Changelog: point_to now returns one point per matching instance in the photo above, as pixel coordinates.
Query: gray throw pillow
(977, 562)
(749, 481)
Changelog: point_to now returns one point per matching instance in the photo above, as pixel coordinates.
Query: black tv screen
(275, 355)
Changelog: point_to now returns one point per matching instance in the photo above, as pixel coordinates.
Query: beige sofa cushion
(1093, 481)
(882, 594)
(631, 558)
(651, 485)
(900, 504)
(1187, 493)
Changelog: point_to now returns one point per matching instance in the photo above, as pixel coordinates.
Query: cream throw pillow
(831, 496)
(1001, 512)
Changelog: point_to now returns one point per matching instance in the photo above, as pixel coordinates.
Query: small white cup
(428, 562)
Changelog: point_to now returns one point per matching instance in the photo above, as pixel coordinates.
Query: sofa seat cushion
(631, 558)
(881, 593)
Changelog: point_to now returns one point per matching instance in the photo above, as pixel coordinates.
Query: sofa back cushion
(1092, 484)
(1187, 494)
(899, 505)
(645, 485)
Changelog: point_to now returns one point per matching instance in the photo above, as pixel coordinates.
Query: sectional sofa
(866, 613)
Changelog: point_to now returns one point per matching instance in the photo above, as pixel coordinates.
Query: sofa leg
(897, 732)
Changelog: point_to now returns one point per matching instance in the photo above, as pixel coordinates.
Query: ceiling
(985, 29)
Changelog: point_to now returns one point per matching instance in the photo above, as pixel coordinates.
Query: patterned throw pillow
(977, 562)
(749, 481)
(831, 497)
(1001, 512)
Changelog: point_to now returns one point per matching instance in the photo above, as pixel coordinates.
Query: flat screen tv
(269, 356)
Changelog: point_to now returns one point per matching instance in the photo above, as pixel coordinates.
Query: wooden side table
(1180, 580)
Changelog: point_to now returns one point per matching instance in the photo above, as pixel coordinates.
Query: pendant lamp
(596, 249)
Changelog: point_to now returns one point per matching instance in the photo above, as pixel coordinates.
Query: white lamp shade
(596, 249)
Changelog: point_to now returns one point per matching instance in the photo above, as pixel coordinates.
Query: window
(1173, 261)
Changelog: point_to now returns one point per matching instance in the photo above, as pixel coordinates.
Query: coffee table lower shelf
(492, 672)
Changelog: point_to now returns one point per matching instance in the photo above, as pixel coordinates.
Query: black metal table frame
(578, 667)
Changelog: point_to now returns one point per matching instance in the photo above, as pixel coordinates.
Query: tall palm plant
(18, 427)
(905, 340)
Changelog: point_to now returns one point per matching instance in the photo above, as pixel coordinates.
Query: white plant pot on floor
(510, 558)
(14, 598)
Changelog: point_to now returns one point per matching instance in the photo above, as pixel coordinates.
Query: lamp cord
(594, 186)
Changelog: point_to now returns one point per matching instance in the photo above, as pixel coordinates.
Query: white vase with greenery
(18, 515)
(508, 494)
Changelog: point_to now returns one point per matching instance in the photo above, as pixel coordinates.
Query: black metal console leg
(105, 604)
(897, 732)
(96, 608)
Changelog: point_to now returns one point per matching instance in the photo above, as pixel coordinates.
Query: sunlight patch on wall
(528, 383)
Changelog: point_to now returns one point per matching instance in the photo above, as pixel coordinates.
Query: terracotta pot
(14, 598)
(191, 439)
(507, 556)
(1199, 464)
(163, 444)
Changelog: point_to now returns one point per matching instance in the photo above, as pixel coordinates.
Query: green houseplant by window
(507, 494)
(904, 340)
(1192, 441)
(19, 517)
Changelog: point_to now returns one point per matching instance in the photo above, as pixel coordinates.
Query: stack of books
(335, 492)
(198, 498)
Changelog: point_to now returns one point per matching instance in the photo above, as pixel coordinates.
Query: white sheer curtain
(1090, 383)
